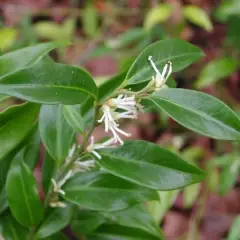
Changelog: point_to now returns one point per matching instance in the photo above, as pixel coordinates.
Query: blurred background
(107, 36)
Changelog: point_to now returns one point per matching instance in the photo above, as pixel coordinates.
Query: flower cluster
(128, 107)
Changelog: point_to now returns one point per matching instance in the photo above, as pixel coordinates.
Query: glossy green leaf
(49, 82)
(217, 70)
(198, 16)
(56, 134)
(90, 20)
(108, 87)
(149, 165)
(22, 58)
(179, 52)
(199, 112)
(86, 222)
(16, 122)
(22, 190)
(126, 38)
(57, 219)
(48, 171)
(158, 14)
(11, 229)
(235, 230)
(73, 117)
(118, 232)
(104, 192)
(136, 217)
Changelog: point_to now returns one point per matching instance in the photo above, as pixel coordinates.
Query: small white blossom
(161, 78)
(92, 146)
(110, 124)
(84, 166)
(57, 204)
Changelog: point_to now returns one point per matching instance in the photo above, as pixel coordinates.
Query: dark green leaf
(16, 122)
(235, 230)
(74, 118)
(136, 217)
(57, 236)
(104, 192)
(3, 201)
(22, 58)
(149, 165)
(86, 222)
(22, 194)
(49, 168)
(11, 229)
(233, 36)
(179, 52)
(51, 83)
(216, 70)
(57, 219)
(199, 112)
(56, 134)
(117, 232)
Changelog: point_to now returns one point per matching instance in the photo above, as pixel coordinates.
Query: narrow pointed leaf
(104, 192)
(149, 165)
(22, 58)
(73, 117)
(51, 83)
(179, 52)
(57, 219)
(22, 191)
(199, 112)
(16, 122)
(56, 134)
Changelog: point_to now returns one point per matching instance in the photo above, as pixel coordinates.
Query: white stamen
(84, 166)
(154, 66)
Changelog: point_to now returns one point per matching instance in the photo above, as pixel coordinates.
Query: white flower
(161, 78)
(84, 166)
(92, 146)
(110, 124)
(57, 204)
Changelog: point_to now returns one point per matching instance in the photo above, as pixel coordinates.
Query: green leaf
(179, 52)
(11, 229)
(57, 236)
(90, 20)
(49, 82)
(215, 70)
(56, 134)
(126, 38)
(74, 118)
(86, 222)
(22, 58)
(22, 190)
(158, 14)
(7, 37)
(235, 230)
(190, 195)
(199, 112)
(159, 209)
(233, 29)
(57, 219)
(229, 175)
(198, 16)
(16, 122)
(148, 165)
(108, 87)
(104, 192)
(48, 171)
(227, 9)
(136, 217)
(117, 232)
